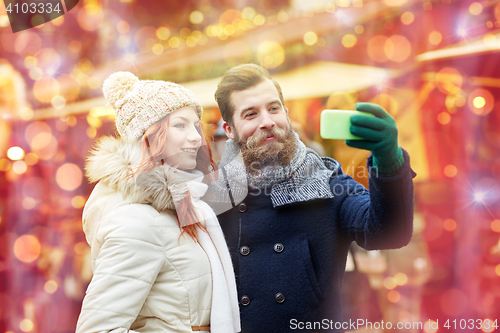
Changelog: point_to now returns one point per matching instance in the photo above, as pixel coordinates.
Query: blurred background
(434, 65)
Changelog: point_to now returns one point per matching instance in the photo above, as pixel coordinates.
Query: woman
(159, 258)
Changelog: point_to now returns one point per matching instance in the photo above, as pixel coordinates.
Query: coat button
(280, 298)
(242, 207)
(245, 250)
(245, 300)
(278, 247)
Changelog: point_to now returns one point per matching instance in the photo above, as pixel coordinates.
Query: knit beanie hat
(139, 104)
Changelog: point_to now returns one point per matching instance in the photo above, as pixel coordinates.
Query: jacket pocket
(311, 274)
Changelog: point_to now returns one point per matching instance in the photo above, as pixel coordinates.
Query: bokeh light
(15, 153)
(174, 42)
(26, 325)
(397, 48)
(26, 113)
(359, 29)
(450, 171)
(491, 41)
(5, 164)
(19, 167)
(90, 17)
(27, 43)
(475, 8)
(27, 248)
(349, 41)
(489, 325)
(77, 201)
(75, 46)
(449, 224)
(444, 118)
(46, 88)
(375, 48)
(69, 176)
(259, 20)
(69, 87)
(407, 18)
(395, 3)
(123, 27)
(29, 203)
(163, 33)
(81, 248)
(449, 80)
(33, 130)
(497, 269)
(270, 54)
(50, 286)
(196, 17)
(435, 38)
(481, 102)
(58, 21)
(390, 282)
(48, 60)
(58, 102)
(401, 279)
(310, 38)
(393, 296)
(495, 225)
(44, 145)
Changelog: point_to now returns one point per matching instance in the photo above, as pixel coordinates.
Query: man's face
(258, 109)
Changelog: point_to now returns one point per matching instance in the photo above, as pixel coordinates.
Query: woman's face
(183, 138)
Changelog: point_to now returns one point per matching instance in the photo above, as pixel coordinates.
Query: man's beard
(258, 154)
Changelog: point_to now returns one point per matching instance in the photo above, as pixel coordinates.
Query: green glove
(380, 136)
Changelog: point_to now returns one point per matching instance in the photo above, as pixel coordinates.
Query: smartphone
(335, 124)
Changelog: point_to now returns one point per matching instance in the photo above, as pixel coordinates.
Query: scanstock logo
(26, 14)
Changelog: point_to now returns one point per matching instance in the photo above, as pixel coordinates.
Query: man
(293, 214)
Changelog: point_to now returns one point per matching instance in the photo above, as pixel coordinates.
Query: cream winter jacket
(146, 277)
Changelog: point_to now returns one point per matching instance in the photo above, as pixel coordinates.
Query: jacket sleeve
(381, 218)
(129, 260)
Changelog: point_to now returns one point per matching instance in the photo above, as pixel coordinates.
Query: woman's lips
(190, 151)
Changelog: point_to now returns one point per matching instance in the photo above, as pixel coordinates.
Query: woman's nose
(194, 135)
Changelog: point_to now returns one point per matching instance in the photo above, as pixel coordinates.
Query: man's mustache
(259, 138)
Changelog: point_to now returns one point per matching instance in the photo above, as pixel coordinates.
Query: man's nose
(266, 122)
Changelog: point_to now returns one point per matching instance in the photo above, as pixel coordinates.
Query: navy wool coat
(289, 261)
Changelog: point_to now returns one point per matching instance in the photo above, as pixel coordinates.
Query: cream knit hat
(139, 104)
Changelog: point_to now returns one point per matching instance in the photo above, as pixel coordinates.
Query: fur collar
(112, 161)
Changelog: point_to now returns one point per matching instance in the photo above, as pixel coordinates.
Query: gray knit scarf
(305, 178)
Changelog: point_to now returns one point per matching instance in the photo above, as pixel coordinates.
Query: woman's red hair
(153, 146)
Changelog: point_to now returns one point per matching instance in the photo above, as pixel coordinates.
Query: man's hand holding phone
(370, 127)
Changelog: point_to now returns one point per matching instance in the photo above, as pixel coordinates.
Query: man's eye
(249, 114)
(274, 108)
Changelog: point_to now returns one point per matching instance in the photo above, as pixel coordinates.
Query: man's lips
(270, 137)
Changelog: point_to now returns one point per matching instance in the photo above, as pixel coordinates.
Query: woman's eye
(179, 125)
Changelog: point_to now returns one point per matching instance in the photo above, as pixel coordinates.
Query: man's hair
(237, 79)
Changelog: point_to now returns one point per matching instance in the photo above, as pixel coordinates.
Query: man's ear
(229, 130)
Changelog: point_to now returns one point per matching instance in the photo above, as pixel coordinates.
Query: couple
(161, 260)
